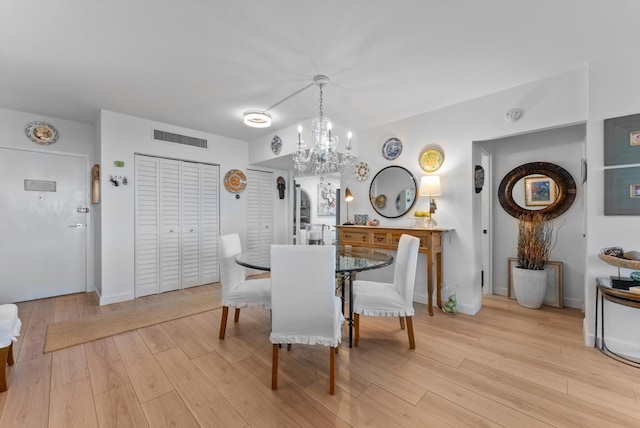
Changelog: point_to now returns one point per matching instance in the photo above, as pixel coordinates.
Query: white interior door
(486, 201)
(191, 192)
(170, 266)
(259, 215)
(43, 236)
(147, 226)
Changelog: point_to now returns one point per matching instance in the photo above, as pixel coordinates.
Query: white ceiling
(201, 64)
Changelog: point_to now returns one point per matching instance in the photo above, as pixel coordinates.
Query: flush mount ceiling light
(257, 119)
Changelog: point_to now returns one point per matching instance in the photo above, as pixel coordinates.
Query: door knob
(77, 226)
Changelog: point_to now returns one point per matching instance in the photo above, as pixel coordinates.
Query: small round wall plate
(392, 148)
(361, 171)
(235, 181)
(42, 133)
(431, 160)
(276, 145)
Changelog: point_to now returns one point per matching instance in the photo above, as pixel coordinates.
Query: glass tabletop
(348, 260)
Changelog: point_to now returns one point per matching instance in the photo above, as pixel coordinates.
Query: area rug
(64, 334)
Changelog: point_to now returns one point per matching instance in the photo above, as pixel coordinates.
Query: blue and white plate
(276, 145)
(392, 148)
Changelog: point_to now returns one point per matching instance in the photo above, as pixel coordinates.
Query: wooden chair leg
(332, 371)
(274, 368)
(236, 316)
(401, 323)
(10, 356)
(4, 353)
(412, 341)
(223, 322)
(356, 326)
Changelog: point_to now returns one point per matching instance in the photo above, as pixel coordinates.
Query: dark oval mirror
(537, 186)
(393, 191)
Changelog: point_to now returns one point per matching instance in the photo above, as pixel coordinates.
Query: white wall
(563, 147)
(74, 138)
(121, 137)
(548, 103)
(614, 88)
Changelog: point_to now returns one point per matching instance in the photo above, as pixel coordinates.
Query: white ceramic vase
(530, 287)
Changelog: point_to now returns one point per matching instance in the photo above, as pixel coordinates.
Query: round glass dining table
(349, 261)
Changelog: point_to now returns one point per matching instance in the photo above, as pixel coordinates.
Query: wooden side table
(620, 297)
(387, 238)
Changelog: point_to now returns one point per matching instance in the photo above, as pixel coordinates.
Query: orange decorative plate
(431, 160)
(235, 181)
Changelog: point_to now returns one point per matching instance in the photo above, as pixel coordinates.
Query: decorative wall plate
(276, 145)
(392, 148)
(361, 171)
(235, 181)
(431, 160)
(42, 133)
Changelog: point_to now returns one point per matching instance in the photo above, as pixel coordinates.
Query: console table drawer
(355, 237)
(380, 238)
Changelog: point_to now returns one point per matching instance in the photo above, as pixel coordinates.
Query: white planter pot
(530, 287)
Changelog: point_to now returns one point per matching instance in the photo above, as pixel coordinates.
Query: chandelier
(322, 158)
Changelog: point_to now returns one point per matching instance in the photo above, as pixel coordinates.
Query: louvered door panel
(259, 215)
(190, 224)
(266, 215)
(253, 216)
(146, 229)
(209, 221)
(170, 225)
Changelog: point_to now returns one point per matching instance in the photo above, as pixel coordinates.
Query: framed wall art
(326, 200)
(555, 291)
(95, 184)
(539, 191)
(622, 140)
(622, 191)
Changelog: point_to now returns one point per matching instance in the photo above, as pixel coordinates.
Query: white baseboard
(116, 298)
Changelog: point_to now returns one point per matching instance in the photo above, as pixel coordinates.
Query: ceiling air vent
(179, 139)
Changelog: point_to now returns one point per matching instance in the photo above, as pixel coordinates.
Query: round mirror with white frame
(393, 191)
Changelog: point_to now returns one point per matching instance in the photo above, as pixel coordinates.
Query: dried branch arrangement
(535, 240)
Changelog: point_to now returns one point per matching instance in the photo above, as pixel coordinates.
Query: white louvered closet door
(209, 223)
(259, 215)
(170, 222)
(147, 224)
(190, 186)
(177, 224)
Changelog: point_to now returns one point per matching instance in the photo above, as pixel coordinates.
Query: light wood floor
(507, 366)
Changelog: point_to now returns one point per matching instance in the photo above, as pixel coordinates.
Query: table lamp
(348, 197)
(430, 186)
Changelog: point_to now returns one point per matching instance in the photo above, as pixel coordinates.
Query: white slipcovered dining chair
(304, 307)
(237, 291)
(9, 330)
(381, 299)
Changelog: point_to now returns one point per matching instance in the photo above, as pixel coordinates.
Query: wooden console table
(387, 238)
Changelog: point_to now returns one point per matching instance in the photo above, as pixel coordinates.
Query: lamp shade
(430, 185)
(347, 195)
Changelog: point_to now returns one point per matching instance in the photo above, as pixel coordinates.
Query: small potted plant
(535, 242)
